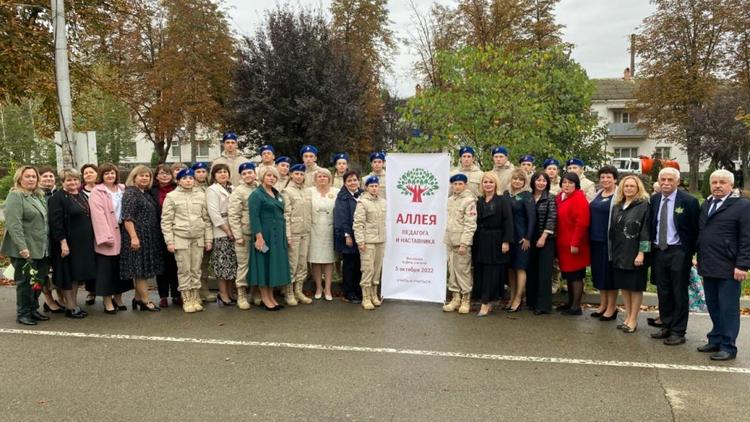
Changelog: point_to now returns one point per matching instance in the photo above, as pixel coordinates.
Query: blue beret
(308, 148)
(247, 166)
(500, 150)
(465, 150)
(551, 162)
(229, 135)
(340, 156)
(298, 167)
(527, 159)
(185, 172)
(265, 147)
(372, 179)
(197, 166)
(377, 156)
(283, 159)
(574, 162)
(460, 177)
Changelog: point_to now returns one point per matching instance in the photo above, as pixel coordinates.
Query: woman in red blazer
(572, 239)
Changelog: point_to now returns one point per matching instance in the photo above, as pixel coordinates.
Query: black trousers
(539, 277)
(351, 276)
(166, 283)
(670, 272)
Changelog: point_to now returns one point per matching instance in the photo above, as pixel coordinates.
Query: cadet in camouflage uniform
(239, 222)
(369, 231)
(470, 168)
(503, 168)
(309, 154)
(459, 235)
(576, 165)
(298, 219)
(377, 162)
(283, 164)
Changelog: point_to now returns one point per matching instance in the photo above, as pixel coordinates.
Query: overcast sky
(599, 29)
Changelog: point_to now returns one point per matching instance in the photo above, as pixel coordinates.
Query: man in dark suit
(674, 231)
(723, 261)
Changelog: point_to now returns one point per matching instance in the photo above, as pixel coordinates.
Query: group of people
(268, 226)
(525, 228)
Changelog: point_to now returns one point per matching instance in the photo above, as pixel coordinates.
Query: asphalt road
(334, 361)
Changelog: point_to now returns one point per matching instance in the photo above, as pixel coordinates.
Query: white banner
(417, 188)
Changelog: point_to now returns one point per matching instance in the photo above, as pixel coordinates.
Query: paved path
(405, 361)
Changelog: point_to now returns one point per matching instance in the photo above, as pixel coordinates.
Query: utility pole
(62, 74)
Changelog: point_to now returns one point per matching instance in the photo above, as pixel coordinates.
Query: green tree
(294, 85)
(681, 47)
(533, 102)
(109, 117)
(20, 142)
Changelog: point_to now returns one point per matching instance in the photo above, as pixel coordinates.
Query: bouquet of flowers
(36, 282)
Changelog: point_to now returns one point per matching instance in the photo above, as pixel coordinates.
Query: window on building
(664, 153)
(626, 152)
(175, 152)
(623, 116)
(201, 148)
(129, 149)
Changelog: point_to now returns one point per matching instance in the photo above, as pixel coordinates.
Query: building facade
(612, 104)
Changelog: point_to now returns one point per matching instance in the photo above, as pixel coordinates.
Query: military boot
(454, 303)
(374, 298)
(465, 304)
(187, 301)
(242, 302)
(300, 295)
(196, 298)
(289, 295)
(366, 300)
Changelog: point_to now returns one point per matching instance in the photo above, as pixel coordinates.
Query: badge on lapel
(679, 210)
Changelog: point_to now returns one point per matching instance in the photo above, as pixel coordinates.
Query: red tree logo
(417, 183)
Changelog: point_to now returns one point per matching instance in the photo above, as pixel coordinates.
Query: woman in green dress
(269, 259)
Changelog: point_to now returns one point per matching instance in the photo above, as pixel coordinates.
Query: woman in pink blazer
(105, 202)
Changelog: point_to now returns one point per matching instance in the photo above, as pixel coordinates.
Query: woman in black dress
(492, 239)
(629, 236)
(140, 257)
(166, 283)
(89, 174)
(48, 185)
(71, 241)
(524, 220)
(601, 261)
(539, 287)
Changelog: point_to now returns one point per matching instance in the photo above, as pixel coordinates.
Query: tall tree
(171, 64)
(681, 47)
(361, 28)
(506, 24)
(294, 85)
(533, 102)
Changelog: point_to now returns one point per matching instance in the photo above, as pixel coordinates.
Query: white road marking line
(413, 352)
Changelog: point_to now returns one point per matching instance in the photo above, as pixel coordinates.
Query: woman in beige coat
(369, 230)
(187, 232)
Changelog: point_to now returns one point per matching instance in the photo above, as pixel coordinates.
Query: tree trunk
(191, 135)
(745, 165)
(694, 161)
(160, 148)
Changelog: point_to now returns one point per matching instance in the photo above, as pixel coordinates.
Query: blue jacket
(686, 222)
(343, 217)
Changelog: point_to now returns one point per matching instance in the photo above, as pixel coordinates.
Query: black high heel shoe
(609, 318)
(59, 310)
(118, 306)
(110, 311)
(143, 306)
(90, 299)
